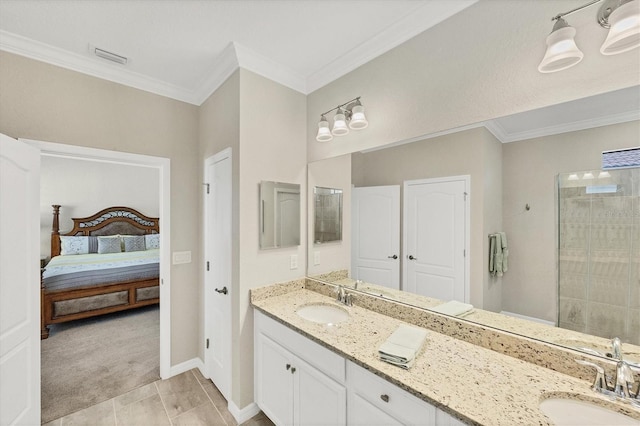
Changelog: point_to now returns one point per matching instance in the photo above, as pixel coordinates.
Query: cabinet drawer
(330, 363)
(397, 403)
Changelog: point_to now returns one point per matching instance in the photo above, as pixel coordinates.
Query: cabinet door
(446, 419)
(318, 400)
(274, 381)
(362, 413)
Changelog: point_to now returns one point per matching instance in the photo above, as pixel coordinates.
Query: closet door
(375, 235)
(435, 235)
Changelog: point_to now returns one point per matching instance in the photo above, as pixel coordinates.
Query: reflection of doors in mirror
(434, 235)
(279, 214)
(327, 215)
(375, 235)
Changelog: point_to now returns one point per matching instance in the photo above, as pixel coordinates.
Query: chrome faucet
(343, 297)
(623, 387)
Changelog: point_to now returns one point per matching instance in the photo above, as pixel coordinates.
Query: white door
(375, 235)
(19, 283)
(217, 283)
(274, 380)
(287, 218)
(435, 238)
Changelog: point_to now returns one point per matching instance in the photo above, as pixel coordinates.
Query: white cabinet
(299, 382)
(374, 401)
(293, 391)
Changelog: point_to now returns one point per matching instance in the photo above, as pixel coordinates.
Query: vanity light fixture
(349, 115)
(621, 17)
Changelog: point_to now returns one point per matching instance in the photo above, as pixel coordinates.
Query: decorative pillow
(74, 245)
(93, 244)
(134, 243)
(152, 241)
(109, 245)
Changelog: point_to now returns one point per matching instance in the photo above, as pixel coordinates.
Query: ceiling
(184, 49)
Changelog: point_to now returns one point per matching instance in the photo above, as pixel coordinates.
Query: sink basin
(323, 313)
(563, 411)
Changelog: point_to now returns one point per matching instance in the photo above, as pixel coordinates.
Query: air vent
(110, 56)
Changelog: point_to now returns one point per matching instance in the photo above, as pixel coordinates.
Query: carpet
(88, 361)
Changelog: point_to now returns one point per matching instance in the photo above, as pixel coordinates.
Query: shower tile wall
(599, 255)
(328, 211)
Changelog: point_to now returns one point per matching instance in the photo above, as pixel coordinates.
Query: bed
(108, 262)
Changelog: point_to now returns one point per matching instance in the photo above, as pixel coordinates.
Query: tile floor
(186, 399)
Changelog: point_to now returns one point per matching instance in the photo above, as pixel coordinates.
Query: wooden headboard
(110, 221)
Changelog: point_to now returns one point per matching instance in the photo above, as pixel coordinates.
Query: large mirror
(279, 215)
(515, 166)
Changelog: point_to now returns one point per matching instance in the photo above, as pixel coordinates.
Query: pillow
(134, 242)
(73, 245)
(152, 241)
(109, 244)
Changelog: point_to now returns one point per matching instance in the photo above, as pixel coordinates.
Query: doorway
(162, 165)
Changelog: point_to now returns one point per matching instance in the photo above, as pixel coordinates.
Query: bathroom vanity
(309, 372)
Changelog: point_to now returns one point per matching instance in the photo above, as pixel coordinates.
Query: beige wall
(44, 102)
(529, 177)
(478, 65)
(334, 256)
(473, 152)
(83, 188)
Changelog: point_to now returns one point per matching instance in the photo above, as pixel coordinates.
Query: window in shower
(599, 253)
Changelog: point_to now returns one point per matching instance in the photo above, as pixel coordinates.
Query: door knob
(223, 291)
(412, 258)
(395, 256)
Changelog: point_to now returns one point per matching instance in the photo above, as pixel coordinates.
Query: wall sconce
(621, 17)
(349, 115)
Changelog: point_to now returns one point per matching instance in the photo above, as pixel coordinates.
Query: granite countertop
(477, 385)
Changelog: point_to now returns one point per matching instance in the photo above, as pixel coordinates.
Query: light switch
(181, 257)
(293, 261)
(316, 257)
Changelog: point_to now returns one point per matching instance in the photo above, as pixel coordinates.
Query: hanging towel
(505, 251)
(492, 254)
(453, 308)
(498, 256)
(402, 346)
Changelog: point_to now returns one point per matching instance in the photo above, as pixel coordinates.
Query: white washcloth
(453, 308)
(402, 346)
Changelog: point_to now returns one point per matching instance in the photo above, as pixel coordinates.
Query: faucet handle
(599, 383)
(616, 348)
(624, 379)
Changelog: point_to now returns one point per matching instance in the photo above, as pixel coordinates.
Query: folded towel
(402, 346)
(453, 308)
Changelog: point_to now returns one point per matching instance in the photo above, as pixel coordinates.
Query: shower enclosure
(599, 253)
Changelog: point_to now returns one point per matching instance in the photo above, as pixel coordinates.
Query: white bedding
(89, 262)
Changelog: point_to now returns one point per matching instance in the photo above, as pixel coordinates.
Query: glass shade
(624, 33)
(340, 124)
(562, 51)
(324, 134)
(358, 119)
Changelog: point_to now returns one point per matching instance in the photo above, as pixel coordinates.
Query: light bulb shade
(358, 119)
(324, 134)
(624, 33)
(562, 51)
(340, 124)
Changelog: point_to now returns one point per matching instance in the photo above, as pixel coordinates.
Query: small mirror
(328, 215)
(279, 215)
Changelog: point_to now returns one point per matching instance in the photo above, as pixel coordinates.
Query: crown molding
(43, 52)
(408, 27)
(252, 61)
(225, 65)
(574, 126)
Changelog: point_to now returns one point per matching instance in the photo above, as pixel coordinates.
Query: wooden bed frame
(110, 221)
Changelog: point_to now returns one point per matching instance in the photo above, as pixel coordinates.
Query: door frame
(225, 154)
(467, 226)
(163, 165)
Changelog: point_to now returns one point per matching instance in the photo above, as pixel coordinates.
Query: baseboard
(524, 317)
(186, 366)
(242, 415)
